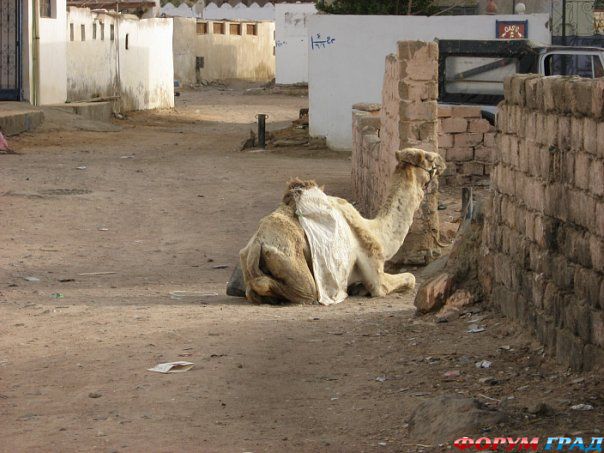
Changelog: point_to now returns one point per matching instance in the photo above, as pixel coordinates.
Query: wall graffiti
(317, 42)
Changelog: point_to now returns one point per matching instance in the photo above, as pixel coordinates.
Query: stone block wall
(408, 118)
(544, 228)
(467, 142)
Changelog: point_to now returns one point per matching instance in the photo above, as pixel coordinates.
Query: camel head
(425, 164)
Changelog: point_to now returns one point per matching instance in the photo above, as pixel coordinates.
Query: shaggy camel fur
(277, 263)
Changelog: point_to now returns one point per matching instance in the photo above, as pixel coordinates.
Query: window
(112, 32)
(127, 40)
(235, 29)
(45, 8)
(478, 75)
(71, 33)
(584, 65)
(218, 28)
(102, 31)
(94, 31)
(251, 29)
(83, 32)
(202, 28)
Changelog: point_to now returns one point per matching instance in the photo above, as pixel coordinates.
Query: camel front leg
(378, 282)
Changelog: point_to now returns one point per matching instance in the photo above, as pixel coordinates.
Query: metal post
(563, 22)
(262, 130)
(513, 6)
(563, 63)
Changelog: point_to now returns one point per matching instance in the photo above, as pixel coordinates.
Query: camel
(277, 262)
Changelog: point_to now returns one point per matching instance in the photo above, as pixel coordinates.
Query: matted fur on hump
(294, 185)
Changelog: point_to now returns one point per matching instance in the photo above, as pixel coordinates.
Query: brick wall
(467, 142)
(407, 118)
(544, 228)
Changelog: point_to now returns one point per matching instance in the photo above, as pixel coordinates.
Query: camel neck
(394, 219)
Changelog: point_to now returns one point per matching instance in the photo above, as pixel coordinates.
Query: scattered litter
(489, 398)
(180, 295)
(382, 444)
(81, 167)
(86, 274)
(381, 378)
(94, 395)
(452, 374)
(103, 229)
(172, 367)
(3, 143)
(475, 328)
(334, 398)
(220, 266)
(32, 279)
(483, 364)
(57, 296)
(66, 280)
(488, 380)
(127, 157)
(506, 347)
(582, 407)
(578, 380)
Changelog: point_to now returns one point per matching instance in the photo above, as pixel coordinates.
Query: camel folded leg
(378, 282)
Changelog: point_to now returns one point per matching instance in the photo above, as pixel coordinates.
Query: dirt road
(162, 206)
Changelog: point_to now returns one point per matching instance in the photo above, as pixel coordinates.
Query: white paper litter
(330, 240)
(172, 367)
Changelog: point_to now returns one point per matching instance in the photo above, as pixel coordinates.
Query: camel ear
(411, 156)
(435, 160)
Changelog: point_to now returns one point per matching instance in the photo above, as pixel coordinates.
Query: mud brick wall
(467, 142)
(544, 228)
(366, 157)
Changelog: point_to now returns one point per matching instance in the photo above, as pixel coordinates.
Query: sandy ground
(159, 205)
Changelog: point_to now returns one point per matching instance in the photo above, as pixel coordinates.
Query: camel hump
(295, 185)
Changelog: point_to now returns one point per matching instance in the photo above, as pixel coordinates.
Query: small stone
(489, 380)
(582, 407)
(540, 409)
(94, 395)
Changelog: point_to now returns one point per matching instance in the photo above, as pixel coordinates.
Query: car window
(567, 64)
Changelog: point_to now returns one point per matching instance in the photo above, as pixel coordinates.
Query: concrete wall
(226, 56)
(184, 49)
(53, 59)
(136, 65)
(291, 36)
(91, 64)
(349, 66)
(146, 66)
(544, 228)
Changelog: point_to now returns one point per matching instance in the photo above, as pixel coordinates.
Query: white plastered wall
(291, 41)
(53, 59)
(134, 62)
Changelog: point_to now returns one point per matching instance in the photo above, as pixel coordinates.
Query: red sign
(512, 29)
